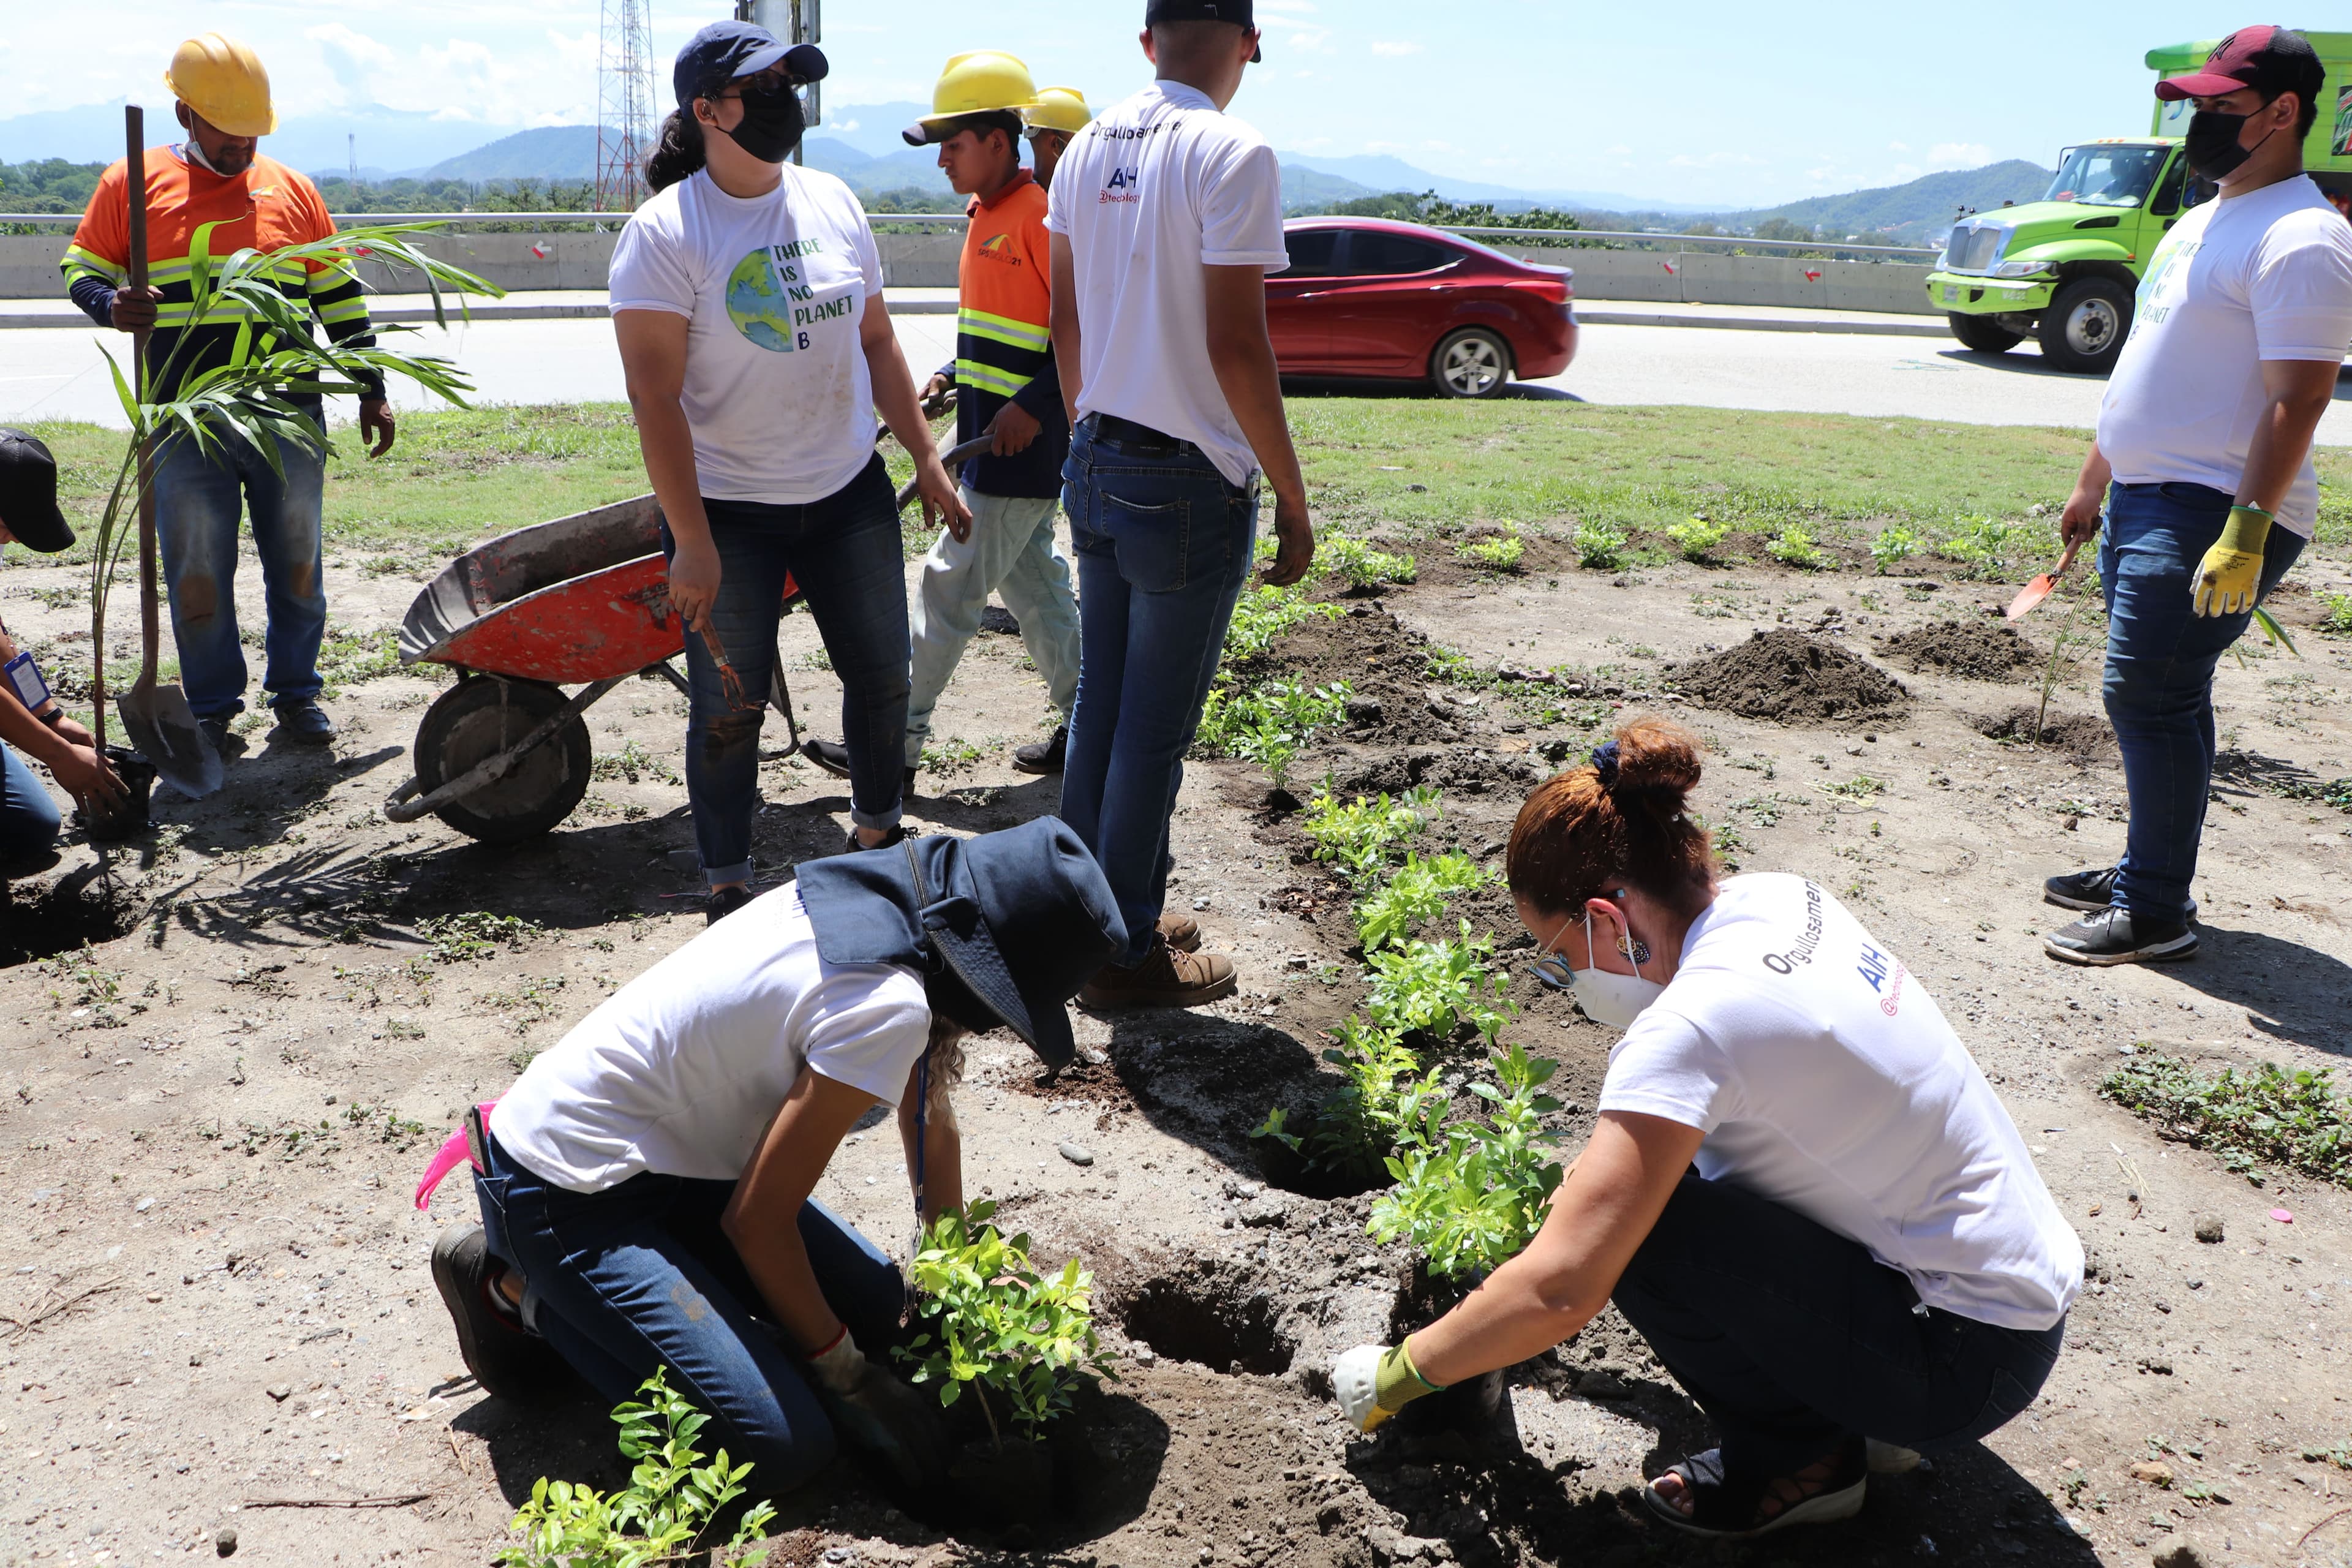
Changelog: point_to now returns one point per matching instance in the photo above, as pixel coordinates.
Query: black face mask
(773, 123)
(2212, 143)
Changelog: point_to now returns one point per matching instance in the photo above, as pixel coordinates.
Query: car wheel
(2084, 327)
(1983, 333)
(1472, 362)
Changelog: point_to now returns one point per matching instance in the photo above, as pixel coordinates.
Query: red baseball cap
(2272, 60)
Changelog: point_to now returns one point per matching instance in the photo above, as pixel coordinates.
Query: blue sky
(1725, 101)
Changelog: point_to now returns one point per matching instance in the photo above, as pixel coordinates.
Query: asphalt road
(50, 373)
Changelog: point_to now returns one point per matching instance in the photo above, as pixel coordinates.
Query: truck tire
(2084, 327)
(1983, 333)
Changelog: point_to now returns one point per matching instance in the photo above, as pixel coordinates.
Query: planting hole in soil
(1790, 678)
(2078, 735)
(1212, 1315)
(38, 923)
(1975, 650)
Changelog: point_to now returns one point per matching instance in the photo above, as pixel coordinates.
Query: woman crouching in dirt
(1800, 1190)
(645, 1187)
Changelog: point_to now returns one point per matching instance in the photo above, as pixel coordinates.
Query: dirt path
(216, 1288)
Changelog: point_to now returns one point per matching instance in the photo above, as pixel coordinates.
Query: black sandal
(1731, 1508)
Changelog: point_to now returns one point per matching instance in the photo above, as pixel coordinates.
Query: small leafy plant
(1475, 1199)
(1418, 891)
(1795, 546)
(1698, 539)
(1502, 553)
(1360, 566)
(2271, 1114)
(660, 1518)
(1380, 1101)
(1434, 987)
(1894, 546)
(1263, 613)
(1359, 835)
(2338, 623)
(1600, 546)
(1267, 724)
(475, 935)
(991, 1324)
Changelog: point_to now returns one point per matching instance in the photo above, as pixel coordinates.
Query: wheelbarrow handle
(972, 448)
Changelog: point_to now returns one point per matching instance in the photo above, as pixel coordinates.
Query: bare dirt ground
(215, 1292)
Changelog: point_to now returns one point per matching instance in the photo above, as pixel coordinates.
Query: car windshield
(2107, 177)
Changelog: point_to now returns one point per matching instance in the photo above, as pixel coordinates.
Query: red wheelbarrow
(504, 755)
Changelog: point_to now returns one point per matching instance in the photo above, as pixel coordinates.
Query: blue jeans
(197, 503)
(843, 552)
(1795, 1341)
(2159, 676)
(640, 1277)
(1165, 546)
(1011, 551)
(28, 817)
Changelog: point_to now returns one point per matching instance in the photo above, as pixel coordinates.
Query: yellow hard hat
(223, 81)
(984, 81)
(1059, 109)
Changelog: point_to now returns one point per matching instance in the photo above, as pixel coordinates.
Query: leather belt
(1140, 437)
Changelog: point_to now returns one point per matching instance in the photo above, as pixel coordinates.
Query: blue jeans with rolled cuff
(2159, 676)
(1164, 544)
(641, 1277)
(1796, 1342)
(29, 819)
(198, 503)
(846, 555)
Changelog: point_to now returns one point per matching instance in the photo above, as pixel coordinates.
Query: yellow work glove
(2230, 577)
(1373, 1383)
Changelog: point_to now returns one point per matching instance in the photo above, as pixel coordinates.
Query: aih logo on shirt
(771, 301)
(1122, 186)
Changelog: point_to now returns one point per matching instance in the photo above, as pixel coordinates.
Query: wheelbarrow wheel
(482, 717)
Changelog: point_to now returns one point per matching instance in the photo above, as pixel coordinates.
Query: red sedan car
(1367, 297)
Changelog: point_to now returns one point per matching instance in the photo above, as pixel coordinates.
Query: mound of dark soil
(1384, 662)
(2076, 734)
(1980, 649)
(1790, 678)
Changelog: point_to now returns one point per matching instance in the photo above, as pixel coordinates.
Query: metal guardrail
(952, 220)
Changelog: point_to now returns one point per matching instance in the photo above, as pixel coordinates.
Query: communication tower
(624, 104)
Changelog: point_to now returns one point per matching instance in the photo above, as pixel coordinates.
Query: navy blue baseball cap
(1241, 13)
(725, 50)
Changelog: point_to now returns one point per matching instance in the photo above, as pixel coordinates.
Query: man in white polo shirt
(2203, 467)
(1166, 215)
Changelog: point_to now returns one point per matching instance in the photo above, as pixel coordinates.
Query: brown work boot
(1166, 978)
(1181, 930)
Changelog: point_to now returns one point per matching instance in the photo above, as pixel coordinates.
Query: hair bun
(1651, 754)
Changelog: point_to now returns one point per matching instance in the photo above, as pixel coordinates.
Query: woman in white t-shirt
(747, 296)
(646, 1185)
(1801, 1191)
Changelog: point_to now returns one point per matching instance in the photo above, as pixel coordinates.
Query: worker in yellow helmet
(216, 187)
(1061, 113)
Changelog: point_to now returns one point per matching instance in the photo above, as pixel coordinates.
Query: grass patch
(2267, 1116)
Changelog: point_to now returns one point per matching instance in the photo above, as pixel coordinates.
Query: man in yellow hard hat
(218, 177)
(1060, 114)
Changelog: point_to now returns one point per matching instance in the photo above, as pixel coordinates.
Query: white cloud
(1958, 155)
(1898, 146)
(1394, 50)
(352, 58)
(1314, 41)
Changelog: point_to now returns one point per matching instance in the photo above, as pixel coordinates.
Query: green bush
(1361, 566)
(1436, 986)
(2291, 1118)
(988, 1321)
(1698, 539)
(1795, 546)
(1418, 891)
(1267, 724)
(1600, 546)
(1359, 835)
(2338, 623)
(1381, 1100)
(660, 1517)
(1263, 613)
(1474, 1198)
(1894, 546)
(1502, 553)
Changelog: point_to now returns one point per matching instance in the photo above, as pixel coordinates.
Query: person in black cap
(2199, 486)
(747, 298)
(645, 1187)
(30, 720)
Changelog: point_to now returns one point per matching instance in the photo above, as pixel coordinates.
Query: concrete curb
(1759, 323)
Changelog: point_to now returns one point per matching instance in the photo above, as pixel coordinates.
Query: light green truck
(2066, 268)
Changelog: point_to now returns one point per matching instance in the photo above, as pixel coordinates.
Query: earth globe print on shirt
(757, 303)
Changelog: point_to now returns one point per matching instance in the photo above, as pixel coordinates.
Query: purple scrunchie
(1604, 762)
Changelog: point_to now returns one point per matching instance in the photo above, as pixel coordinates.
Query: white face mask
(1611, 1001)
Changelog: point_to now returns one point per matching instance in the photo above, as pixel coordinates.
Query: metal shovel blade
(162, 727)
(2040, 588)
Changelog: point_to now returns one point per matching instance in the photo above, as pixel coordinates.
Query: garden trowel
(157, 718)
(2033, 593)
